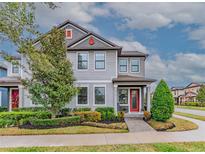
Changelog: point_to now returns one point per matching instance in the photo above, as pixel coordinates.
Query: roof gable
(92, 41)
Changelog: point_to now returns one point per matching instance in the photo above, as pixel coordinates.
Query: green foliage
(107, 113)
(15, 117)
(201, 94)
(91, 116)
(52, 76)
(55, 122)
(162, 102)
(3, 109)
(6, 123)
(81, 109)
(120, 115)
(29, 109)
(193, 104)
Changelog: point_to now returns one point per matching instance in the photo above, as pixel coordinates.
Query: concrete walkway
(196, 112)
(137, 125)
(104, 139)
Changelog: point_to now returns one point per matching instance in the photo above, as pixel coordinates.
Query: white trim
(140, 95)
(0, 98)
(71, 32)
(93, 81)
(99, 52)
(131, 64)
(84, 52)
(127, 64)
(116, 67)
(86, 38)
(83, 85)
(99, 85)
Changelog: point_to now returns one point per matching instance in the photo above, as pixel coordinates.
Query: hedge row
(13, 118)
(50, 123)
(88, 116)
(193, 104)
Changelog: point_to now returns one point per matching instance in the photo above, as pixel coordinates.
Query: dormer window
(68, 34)
(15, 69)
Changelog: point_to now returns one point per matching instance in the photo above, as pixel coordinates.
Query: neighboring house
(186, 94)
(107, 75)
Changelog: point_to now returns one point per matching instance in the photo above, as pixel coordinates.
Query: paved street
(196, 112)
(104, 139)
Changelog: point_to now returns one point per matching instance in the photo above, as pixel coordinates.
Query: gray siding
(92, 74)
(142, 67)
(108, 95)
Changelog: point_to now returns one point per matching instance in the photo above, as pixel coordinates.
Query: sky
(173, 34)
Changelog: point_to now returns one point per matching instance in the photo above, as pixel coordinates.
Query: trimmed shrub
(29, 109)
(107, 113)
(162, 102)
(52, 123)
(91, 116)
(65, 112)
(120, 115)
(6, 123)
(81, 109)
(17, 116)
(3, 109)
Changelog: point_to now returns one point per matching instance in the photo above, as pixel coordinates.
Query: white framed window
(15, 69)
(82, 97)
(135, 65)
(99, 95)
(123, 96)
(68, 34)
(100, 61)
(123, 62)
(0, 98)
(82, 63)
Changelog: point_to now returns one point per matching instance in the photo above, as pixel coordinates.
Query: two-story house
(107, 75)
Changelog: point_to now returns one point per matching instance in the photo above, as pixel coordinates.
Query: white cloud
(156, 15)
(198, 35)
(130, 45)
(185, 67)
(82, 13)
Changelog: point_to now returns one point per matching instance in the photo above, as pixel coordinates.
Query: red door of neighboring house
(134, 100)
(14, 98)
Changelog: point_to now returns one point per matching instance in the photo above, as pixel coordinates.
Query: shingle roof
(128, 78)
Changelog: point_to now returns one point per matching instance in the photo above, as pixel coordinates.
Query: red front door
(14, 98)
(134, 100)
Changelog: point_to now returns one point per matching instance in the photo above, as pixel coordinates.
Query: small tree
(162, 102)
(201, 94)
(51, 84)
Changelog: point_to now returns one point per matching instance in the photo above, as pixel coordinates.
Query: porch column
(20, 87)
(148, 98)
(10, 101)
(115, 97)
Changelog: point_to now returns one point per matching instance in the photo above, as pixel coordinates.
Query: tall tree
(201, 94)
(162, 102)
(51, 83)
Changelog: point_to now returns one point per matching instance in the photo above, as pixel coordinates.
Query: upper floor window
(123, 65)
(100, 61)
(135, 65)
(15, 68)
(82, 61)
(68, 33)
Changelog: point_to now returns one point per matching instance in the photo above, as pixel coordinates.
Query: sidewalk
(103, 139)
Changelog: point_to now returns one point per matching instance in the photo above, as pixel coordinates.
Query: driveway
(104, 139)
(196, 112)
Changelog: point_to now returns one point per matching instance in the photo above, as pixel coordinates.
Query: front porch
(132, 95)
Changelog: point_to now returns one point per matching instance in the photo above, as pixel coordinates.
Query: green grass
(190, 115)
(158, 147)
(65, 130)
(181, 124)
(191, 107)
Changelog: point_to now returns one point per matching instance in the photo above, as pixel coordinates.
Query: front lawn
(180, 125)
(198, 117)
(191, 107)
(65, 130)
(157, 147)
